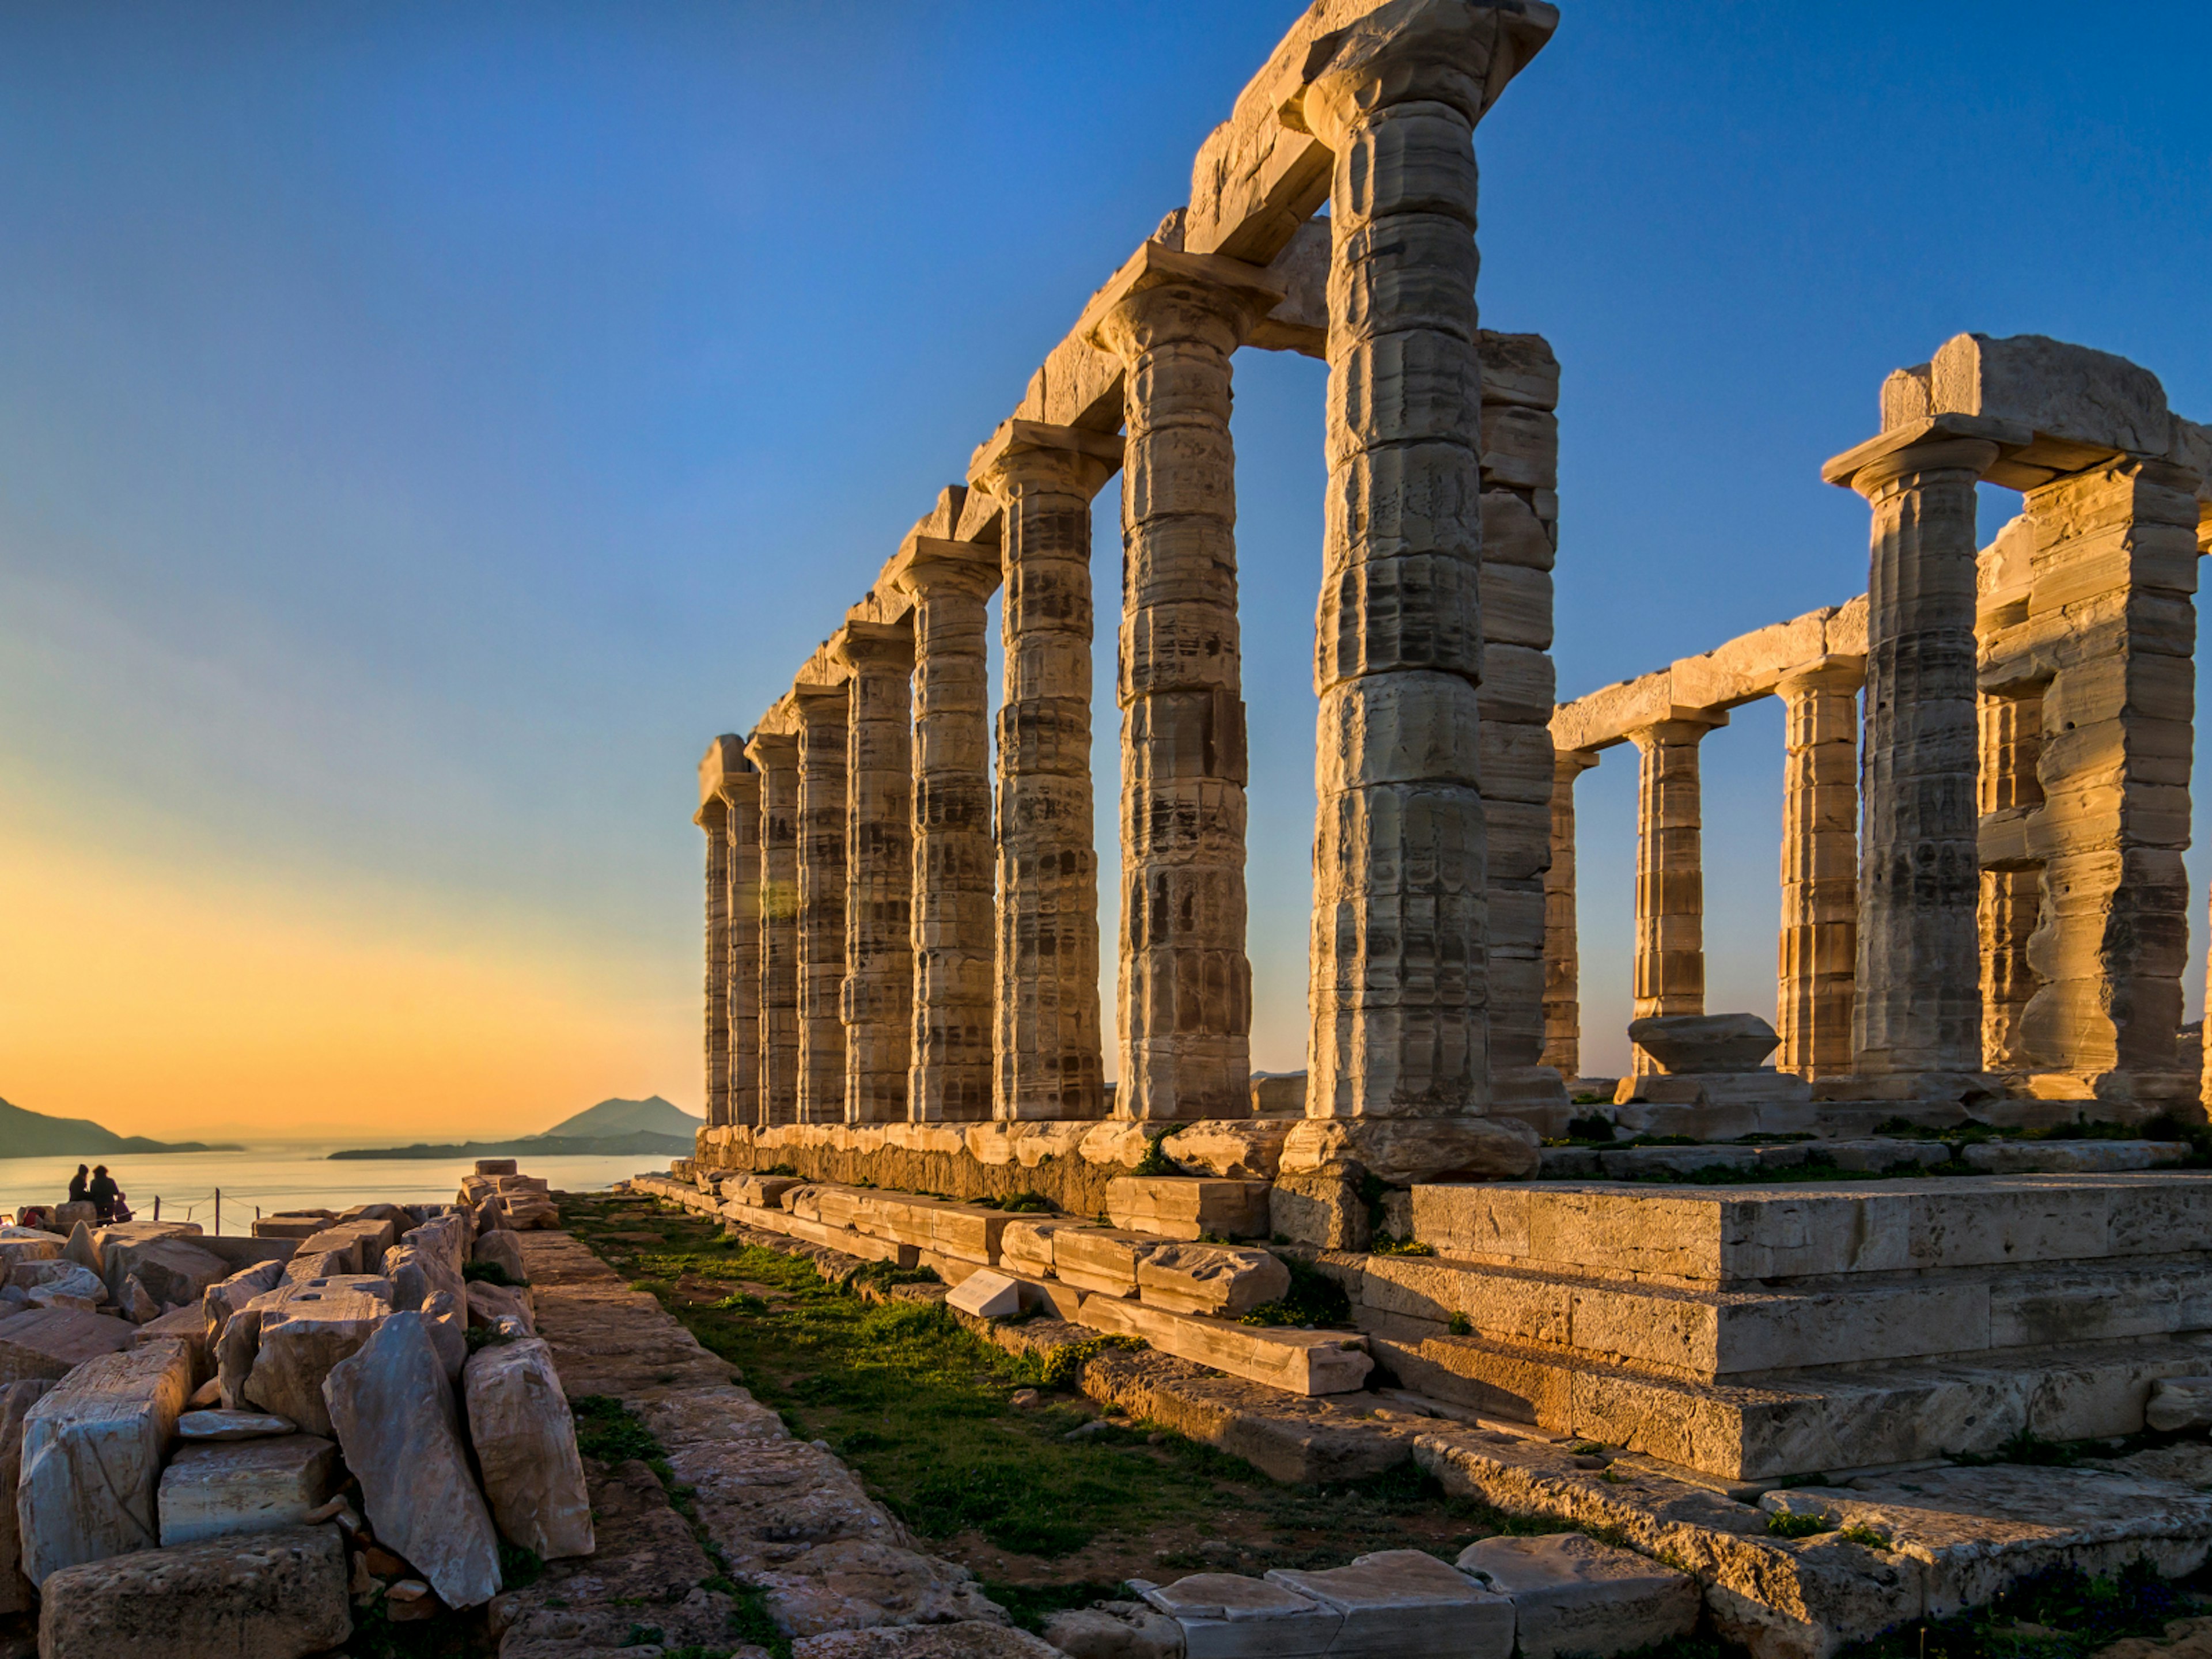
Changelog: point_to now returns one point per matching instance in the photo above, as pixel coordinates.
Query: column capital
(772, 751)
(1933, 443)
(1446, 51)
(1163, 295)
(1834, 672)
(1568, 764)
(880, 647)
(930, 564)
(713, 816)
(1678, 725)
(817, 701)
(1042, 456)
(724, 755)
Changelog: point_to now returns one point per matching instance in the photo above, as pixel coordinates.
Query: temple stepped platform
(1753, 1333)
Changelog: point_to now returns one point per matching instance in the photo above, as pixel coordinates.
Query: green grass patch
(1314, 1299)
(1783, 1525)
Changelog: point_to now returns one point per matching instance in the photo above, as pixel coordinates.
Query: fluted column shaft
(775, 755)
(1818, 949)
(713, 818)
(878, 997)
(1185, 1002)
(954, 914)
(1918, 1005)
(823, 716)
(1049, 1062)
(2012, 894)
(1670, 874)
(1399, 994)
(1563, 1012)
(742, 796)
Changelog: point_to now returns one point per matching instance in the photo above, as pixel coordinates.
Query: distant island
(34, 1134)
(614, 1129)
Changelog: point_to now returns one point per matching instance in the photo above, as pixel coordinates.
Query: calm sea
(263, 1179)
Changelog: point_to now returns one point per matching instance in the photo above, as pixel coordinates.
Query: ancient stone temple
(1983, 914)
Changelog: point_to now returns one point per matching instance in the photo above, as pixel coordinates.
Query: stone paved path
(784, 1514)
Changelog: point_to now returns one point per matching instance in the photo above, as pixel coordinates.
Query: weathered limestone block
(209, 1490)
(49, 1342)
(1401, 1151)
(400, 1431)
(763, 1192)
(1188, 1206)
(1219, 1279)
(2179, 1403)
(275, 1596)
(504, 1249)
(1406, 1604)
(290, 1225)
(1324, 1211)
(23, 1244)
(488, 1304)
(1100, 1259)
(1026, 1246)
(210, 1423)
(525, 1440)
(92, 1457)
(1246, 1150)
(965, 1638)
(226, 1296)
(2058, 390)
(59, 1282)
(1572, 1595)
(16, 1400)
(1115, 1630)
(1224, 1615)
(305, 1330)
(1294, 1361)
(1698, 1043)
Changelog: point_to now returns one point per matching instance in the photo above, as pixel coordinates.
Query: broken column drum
(876, 1001)
(1185, 1001)
(953, 924)
(1400, 991)
(775, 756)
(1918, 997)
(1048, 1058)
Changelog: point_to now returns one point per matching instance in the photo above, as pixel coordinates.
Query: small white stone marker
(988, 1295)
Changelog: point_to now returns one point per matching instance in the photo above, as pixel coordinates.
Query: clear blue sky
(422, 427)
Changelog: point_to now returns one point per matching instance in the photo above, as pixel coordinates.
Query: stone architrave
(1563, 1011)
(953, 910)
(877, 999)
(775, 755)
(741, 793)
(1050, 1062)
(400, 1431)
(713, 818)
(1185, 1000)
(1400, 989)
(1918, 1008)
(1818, 952)
(1670, 871)
(824, 714)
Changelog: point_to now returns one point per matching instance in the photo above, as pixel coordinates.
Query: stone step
(1639, 1162)
(1800, 1423)
(1721, 1236)
(1188, 1206)
(1296, 1361)
(1705, 1334)
(865, 1246)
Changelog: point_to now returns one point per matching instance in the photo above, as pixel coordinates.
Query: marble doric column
(824, 715)
(775, 755)
(2012, 887)
(877, 1004)
(950, 1077)
(713, 818)
(1563, 1011)
(741, 794)
(1185, 1002)
(1818, 953)
(1918, 1006)
(1670, 871)
(1046, 1020)
(1400, 994)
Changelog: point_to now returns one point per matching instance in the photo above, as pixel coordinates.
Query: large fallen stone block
(1102, 1261)
(21, 1244)
(504, 1250)
(227, 1295)
(2179, 1402)
(1221, 1279)
(400, 1431)
(174, 1271)
(1294, 1361)
(1026, 1244)
(1188, 1206)
(187, 1325)
(210, 1422)
(525, 1440)
(214, 1488)
(50, 1342)
(292, 1225)
(58, 1283)
(272, 1595)
(1224, 1615)
(1572, 1595)
(488, 1304)
(1115, 1630)
(16, 1400)
(306, 1330)
(92, 1457)
(1406, 1604)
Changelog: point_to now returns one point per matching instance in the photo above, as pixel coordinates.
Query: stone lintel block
(2055, 390)
(1188, 1206)
(1297, 1362)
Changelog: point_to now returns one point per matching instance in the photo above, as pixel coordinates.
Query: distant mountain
(652, 1115)
(613, 1128)
(34, 1134)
